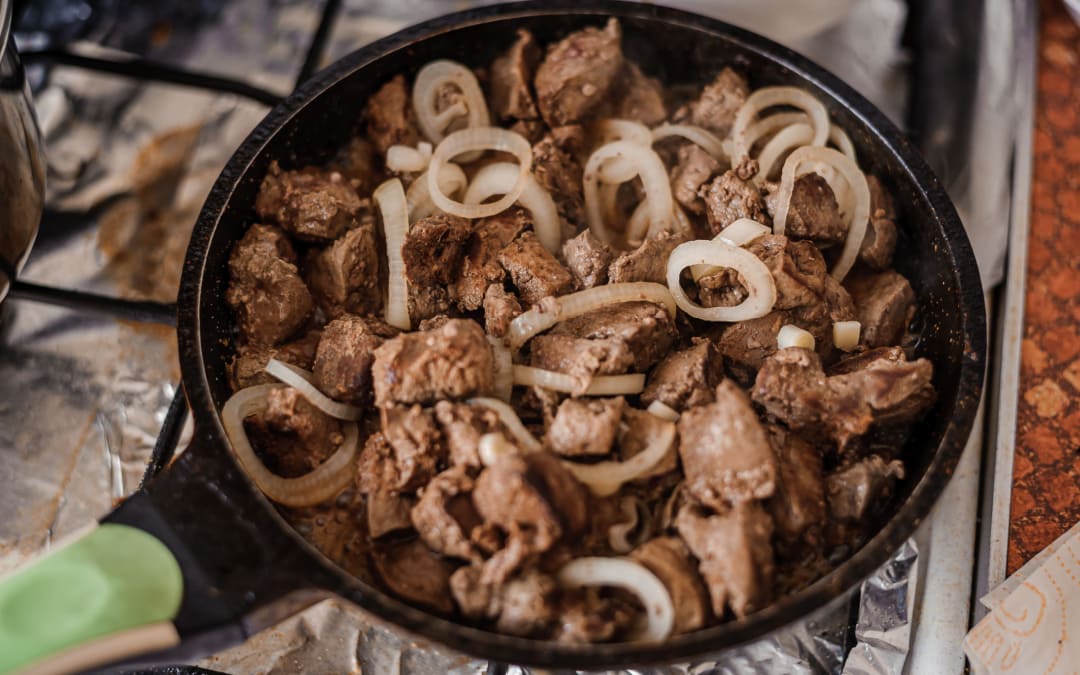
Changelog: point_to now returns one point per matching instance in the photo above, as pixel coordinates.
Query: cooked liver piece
(798, 507)
(342, 363)
(852, 493)
(588, 617)
(292, 435)
(725, 452)
(524, 605)
(879, 244)
(511, 80)
(648, 262)
(585, 428)
(267, 295)
(645, 327)
(693, 169)
(500, 308)
(813, 212)
(267, 241)
(248, 367)
(898, 391)
(715, 108)
(453, 361)
(313, 204)
(669, 559)
(415, 574)
(535, 272)
(417, 442)
(730, 197)
(559, 173)
(462, 426)
(445, 516)
(734, 553)
(638, 97)
(480, 267)
(578, 72)
(587, 258)
(344, 276)
(428, 302)
(434, 249)
(580, 357)
(376, 475)
(389, 116)
(885, 304)
(686, 378)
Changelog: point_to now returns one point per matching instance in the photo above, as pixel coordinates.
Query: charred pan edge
(811, 600)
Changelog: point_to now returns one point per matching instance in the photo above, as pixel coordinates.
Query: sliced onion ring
(510, 420)
(325, 481)
(767, 97)
(759, 282)
(631, 576)
(605, 478)
(402, 158)
(663, 411)
(474, 139)
(599, 385)
(431, 78)
(549, 312)
(739, 233)
(390, 198)
(646, 164)
(636, 513)
(613, 129)
(499, 178)
(704, 139)
(785, 140)
(302, 381)
(492, 446)
(452, 180)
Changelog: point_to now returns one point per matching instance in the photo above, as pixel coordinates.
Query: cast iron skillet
(243, 565)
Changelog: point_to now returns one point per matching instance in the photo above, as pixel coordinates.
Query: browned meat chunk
(524, 605)
(585, 428)
(647, 262)
(798, 507)
(462, 426)
(719, 101)
(267, 295)
(587, 258)
(580, 357)
(578, 72)
(645, 327)
(342, 364)
(556, 170)
(415, 574)
(694, 168)
(885, 304)
(735, 554)
(879, 244)
(357, 163)
(898, 391)
(797, 267)
(344, 276)
(813, 212)
(480, 268)
(417, 442)
(292, 435)
(445, 516)
(428, 302)
(453, 361)
(746, 344)
(389, 116)
(511, 80)
(500, 308)
(535, 272)
(725, 453)
(313, 204)
(434, 248)
(588, 617)
(248, 366)
(730, 197)
(387, 510)
(669, 559)
(638, 96)
(855, 492)
(686, 378)
(265, 241)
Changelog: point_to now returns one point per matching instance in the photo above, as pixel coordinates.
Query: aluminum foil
(81, 398)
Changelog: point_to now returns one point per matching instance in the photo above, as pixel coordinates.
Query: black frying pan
(243, 567)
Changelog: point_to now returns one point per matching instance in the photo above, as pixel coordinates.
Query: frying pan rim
(884, 136)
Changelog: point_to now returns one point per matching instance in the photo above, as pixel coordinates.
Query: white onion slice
(739, 233)
(599, 385)
(431, 78)
(402, 159)
(475, 139)
(842, 141)
(856, 180)
(630, 576)
(759, 282)
(767, 97)
(492, 446)
(648, 165)
(547, 313)
(613, 129)
(663, 411)
(302, 381)
(846, 334)
(325, 481)
(786, 140)
(704, 139)
(793, 336)
(452, 181)
(503, 374)
(510, 420)
(390, 198)
(499, 178)
(605, 478)
(635, 512)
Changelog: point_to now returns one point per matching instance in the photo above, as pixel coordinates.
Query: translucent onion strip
(767, 97)
(499, 178)
(759, 282)
(328, 479)
(605, 478)
(303, 381)
(390, 198)
(452, 181)
(503, 375)
(599, 385)
(740, 233)
(704, 139)
(492, 446)
(613, 129)
(846, 335)
(663, 411)
(510, 420)
(791, 335)
(402, 158)
(550, 312)
(648, 165)
(484, 138)
(630, 576)
(430, 81)
(773, 123)
(860, 210)
(636, 513)
(786, 140)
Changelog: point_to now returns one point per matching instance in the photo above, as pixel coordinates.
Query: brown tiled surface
(1046, 471)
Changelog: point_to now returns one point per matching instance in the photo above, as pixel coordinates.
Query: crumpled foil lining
(82, 398)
